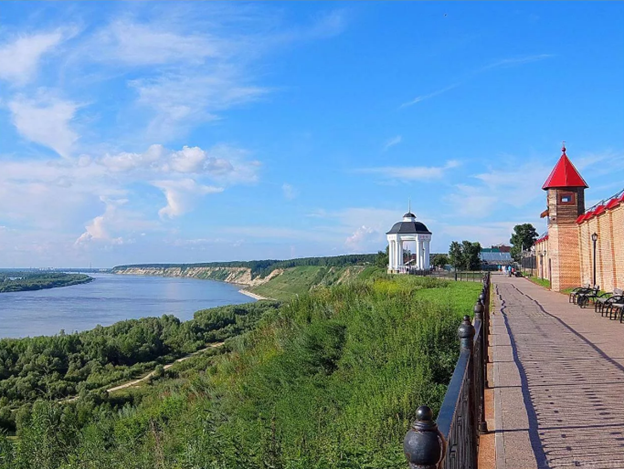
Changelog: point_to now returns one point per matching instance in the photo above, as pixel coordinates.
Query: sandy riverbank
(252, 295)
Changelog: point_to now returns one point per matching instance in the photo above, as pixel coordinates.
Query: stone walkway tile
(558, 380)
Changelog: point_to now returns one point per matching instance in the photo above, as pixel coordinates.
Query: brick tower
(566, 201)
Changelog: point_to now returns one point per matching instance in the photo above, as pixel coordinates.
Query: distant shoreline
(44, 281)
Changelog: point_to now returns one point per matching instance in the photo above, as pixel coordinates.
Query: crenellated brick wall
(569, 249)
(609, 226)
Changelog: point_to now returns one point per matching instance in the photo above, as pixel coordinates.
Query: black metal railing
(528, 262)
(464, 276)
(453, 442)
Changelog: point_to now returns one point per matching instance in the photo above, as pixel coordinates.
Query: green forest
(23, 281)
(65, 365)
(330, 379)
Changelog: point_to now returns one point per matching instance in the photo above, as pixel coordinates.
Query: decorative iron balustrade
(465, 276)
(453, 442)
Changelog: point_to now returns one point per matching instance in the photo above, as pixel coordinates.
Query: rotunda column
(395, 247)
(427, 243)
(417, 261)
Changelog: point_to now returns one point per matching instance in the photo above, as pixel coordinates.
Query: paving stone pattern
(558, 378)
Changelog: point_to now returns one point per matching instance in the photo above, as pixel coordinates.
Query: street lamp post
(594, 238)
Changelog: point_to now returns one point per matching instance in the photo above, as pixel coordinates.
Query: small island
(25, 281)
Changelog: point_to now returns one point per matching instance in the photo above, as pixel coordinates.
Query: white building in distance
(408, 230)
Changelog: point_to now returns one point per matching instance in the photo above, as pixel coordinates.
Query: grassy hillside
(329, 380)
(299, 280)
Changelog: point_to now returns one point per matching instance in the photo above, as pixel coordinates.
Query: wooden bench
(600, 303)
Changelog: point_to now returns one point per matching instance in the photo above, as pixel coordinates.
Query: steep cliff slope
(280, 279)
(238, 275)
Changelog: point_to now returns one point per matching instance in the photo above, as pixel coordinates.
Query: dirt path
(166, 367)
(149, 375)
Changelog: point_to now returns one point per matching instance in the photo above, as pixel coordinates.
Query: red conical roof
(564, 174)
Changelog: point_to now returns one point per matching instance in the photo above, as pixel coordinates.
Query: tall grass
(330, 380)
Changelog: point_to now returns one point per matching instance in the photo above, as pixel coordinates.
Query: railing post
(486, 323)
(424, 445)
(481, 367)
(466, 333)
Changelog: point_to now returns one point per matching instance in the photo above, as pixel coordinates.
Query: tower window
(566, 198)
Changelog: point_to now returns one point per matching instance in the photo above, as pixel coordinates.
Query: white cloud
(46, 121)
(199, 67)
(19, 59)
(59, 195)
(107, 229)
(424, 97)
(190, 97)
(317, 213)
(517, 186)
(289, 191)
(597, 164)
(328, 25)
(232, 165)
(194, 160)
(380, 219)
(361, 238)
(473, 202)
(411, 173)
(360, 229)
(182, 195)
(124, 161)
(392, 142)
(137, 44)
(183, 69)
(513, 184)
(486, 233)
(97, 229)
(223, 163)
(277, 233)
(513, 62)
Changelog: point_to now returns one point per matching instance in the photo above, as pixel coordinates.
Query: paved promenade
(558, 379)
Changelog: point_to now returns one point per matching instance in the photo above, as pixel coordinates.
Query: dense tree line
(522, 238)
(23, 281)
(465, 255)
(265, 267)
(332, 379)
(67, 364)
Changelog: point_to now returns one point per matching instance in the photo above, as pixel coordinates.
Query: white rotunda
(408, 230)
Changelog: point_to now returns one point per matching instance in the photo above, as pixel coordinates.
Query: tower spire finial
(409, 205)
(563, 148)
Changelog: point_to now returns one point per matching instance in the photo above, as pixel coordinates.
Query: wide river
(108, 299)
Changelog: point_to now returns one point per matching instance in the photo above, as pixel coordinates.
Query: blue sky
(193, 132)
